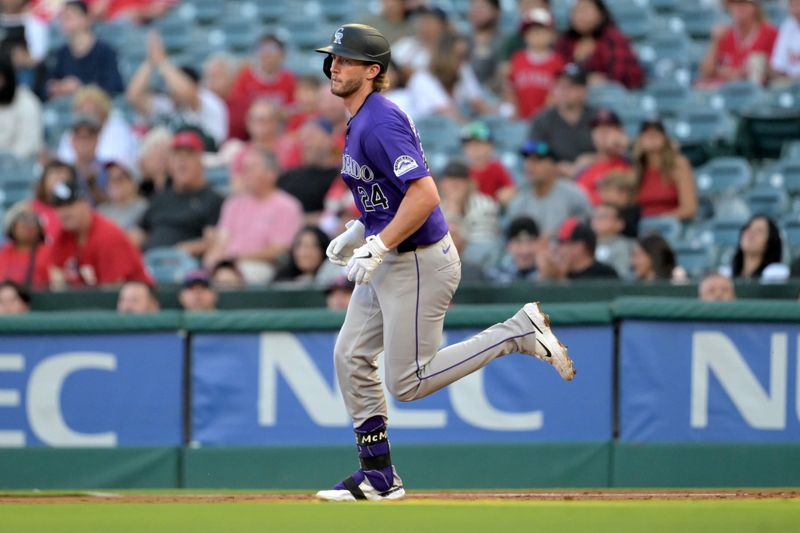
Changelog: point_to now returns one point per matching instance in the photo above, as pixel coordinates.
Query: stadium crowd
(223, 173)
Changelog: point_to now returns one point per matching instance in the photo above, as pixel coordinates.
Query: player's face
(347, 76)
(717, 289)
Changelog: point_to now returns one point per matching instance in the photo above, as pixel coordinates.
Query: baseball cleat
(372, 485)
(544, 344)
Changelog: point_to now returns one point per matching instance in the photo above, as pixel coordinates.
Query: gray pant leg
(358, 345)
(414, 293)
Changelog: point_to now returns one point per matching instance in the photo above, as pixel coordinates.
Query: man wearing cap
(611, 144)
(187, 102)
(471, 215)
(90, 250)
(548, 199)
(574, 256)
(91, 172)
(319, 167)
(533, 70)
(180, 215)
(124, 205)
(196, 293)
(565, 125)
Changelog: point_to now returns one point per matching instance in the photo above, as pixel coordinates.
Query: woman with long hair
(652, 259)
(307, 264)
(595, 43)
(760, 246)
(665, 176)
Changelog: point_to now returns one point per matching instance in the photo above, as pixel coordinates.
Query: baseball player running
(401, 256)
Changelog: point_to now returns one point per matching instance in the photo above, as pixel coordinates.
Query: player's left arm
(421, 198)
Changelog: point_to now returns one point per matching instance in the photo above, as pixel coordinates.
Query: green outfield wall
(620, 461)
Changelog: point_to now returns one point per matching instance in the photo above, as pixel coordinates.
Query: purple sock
(372, 442)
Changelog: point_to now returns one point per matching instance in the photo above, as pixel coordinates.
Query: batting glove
(366, 259)
(340, 250)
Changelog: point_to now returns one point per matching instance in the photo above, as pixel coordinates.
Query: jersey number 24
(374, 198)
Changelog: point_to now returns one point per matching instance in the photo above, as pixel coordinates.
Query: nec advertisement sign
(91, 390)
(279, 388)
(709, 382)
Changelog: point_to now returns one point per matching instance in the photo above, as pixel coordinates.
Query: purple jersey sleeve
(397, 146)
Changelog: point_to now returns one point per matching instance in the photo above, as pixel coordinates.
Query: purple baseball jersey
(382, 155)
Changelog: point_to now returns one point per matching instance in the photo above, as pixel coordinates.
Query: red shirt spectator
(532, 79)
(598, 46)
(733, 50)
(91, 250)
(485, 170)
(23, 259)
(265, 78)
(611, 142)
(657, 196)
(491, 178)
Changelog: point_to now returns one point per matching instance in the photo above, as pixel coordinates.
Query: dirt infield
(580, 495)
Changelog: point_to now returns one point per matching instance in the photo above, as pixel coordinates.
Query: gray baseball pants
(400, 312)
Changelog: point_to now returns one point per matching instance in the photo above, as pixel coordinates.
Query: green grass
(486, 516)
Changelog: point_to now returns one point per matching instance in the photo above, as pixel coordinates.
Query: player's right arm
(421, 198)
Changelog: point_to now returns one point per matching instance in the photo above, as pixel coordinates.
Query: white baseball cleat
(544, 344)
(373, 485)
(335, 495)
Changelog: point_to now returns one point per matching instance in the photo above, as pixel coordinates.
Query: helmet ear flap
(326, 65)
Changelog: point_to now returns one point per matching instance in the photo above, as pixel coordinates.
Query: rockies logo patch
(404, 164)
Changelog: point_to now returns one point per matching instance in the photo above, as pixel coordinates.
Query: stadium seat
(219, 179)
(663, 7)
(113, 33)
(762, 133)
(783, 174)
(267, 12)
(723, 174)
(765, 200)
(169, 265)
(208, 11)
(439, 133)
(697, 20)
(723, 232)
(787, 98)
(632, 117)
(510, 134)
(790, 150)
(694, 258)
(668, 227)
(667, 56)
(700, 124)
(791, 233)
(336, 11)
(736, 96)
(665, 97)
(241, 34)
(611, 95)
(634, 19)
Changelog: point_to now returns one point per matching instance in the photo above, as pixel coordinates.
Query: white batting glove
(340, 250)
(366, 259)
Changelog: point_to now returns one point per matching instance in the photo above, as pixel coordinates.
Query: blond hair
(92, 94)
(381, 82)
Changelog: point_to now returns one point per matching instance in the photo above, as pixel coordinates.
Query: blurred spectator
(486, 170)
(25, 38)
(54, 172)
(447, 85)
(486, 41)
(21, 126)
(618, 188)
(219, 73)
(124, 206)
(785, 60)
(611, 144)
(547, 199)
(759, 252)
(226, 276)
(338, 293)
(307, 264)
(319, 166)
(665, 176)
(90, 250)
(414, 52)
(197, 294)
(595, 43)
(136, 11)
(266, 129)
(84, 59)
(565, 126)
(716, 288)
(392, 21)
(471, 215)
(137, 298)
(257, 226)
(306, 101)
(117, 139)
(515, 41)
(14, 298)
(523, 246)
(90, 170)
(182, 214)
(264, 77)
(187, 102)
(398, 88)
(25, 255)
(742, 50)
(613, 247)
(574, 257)
(533, 71)
(652, 259)
(153, 161)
